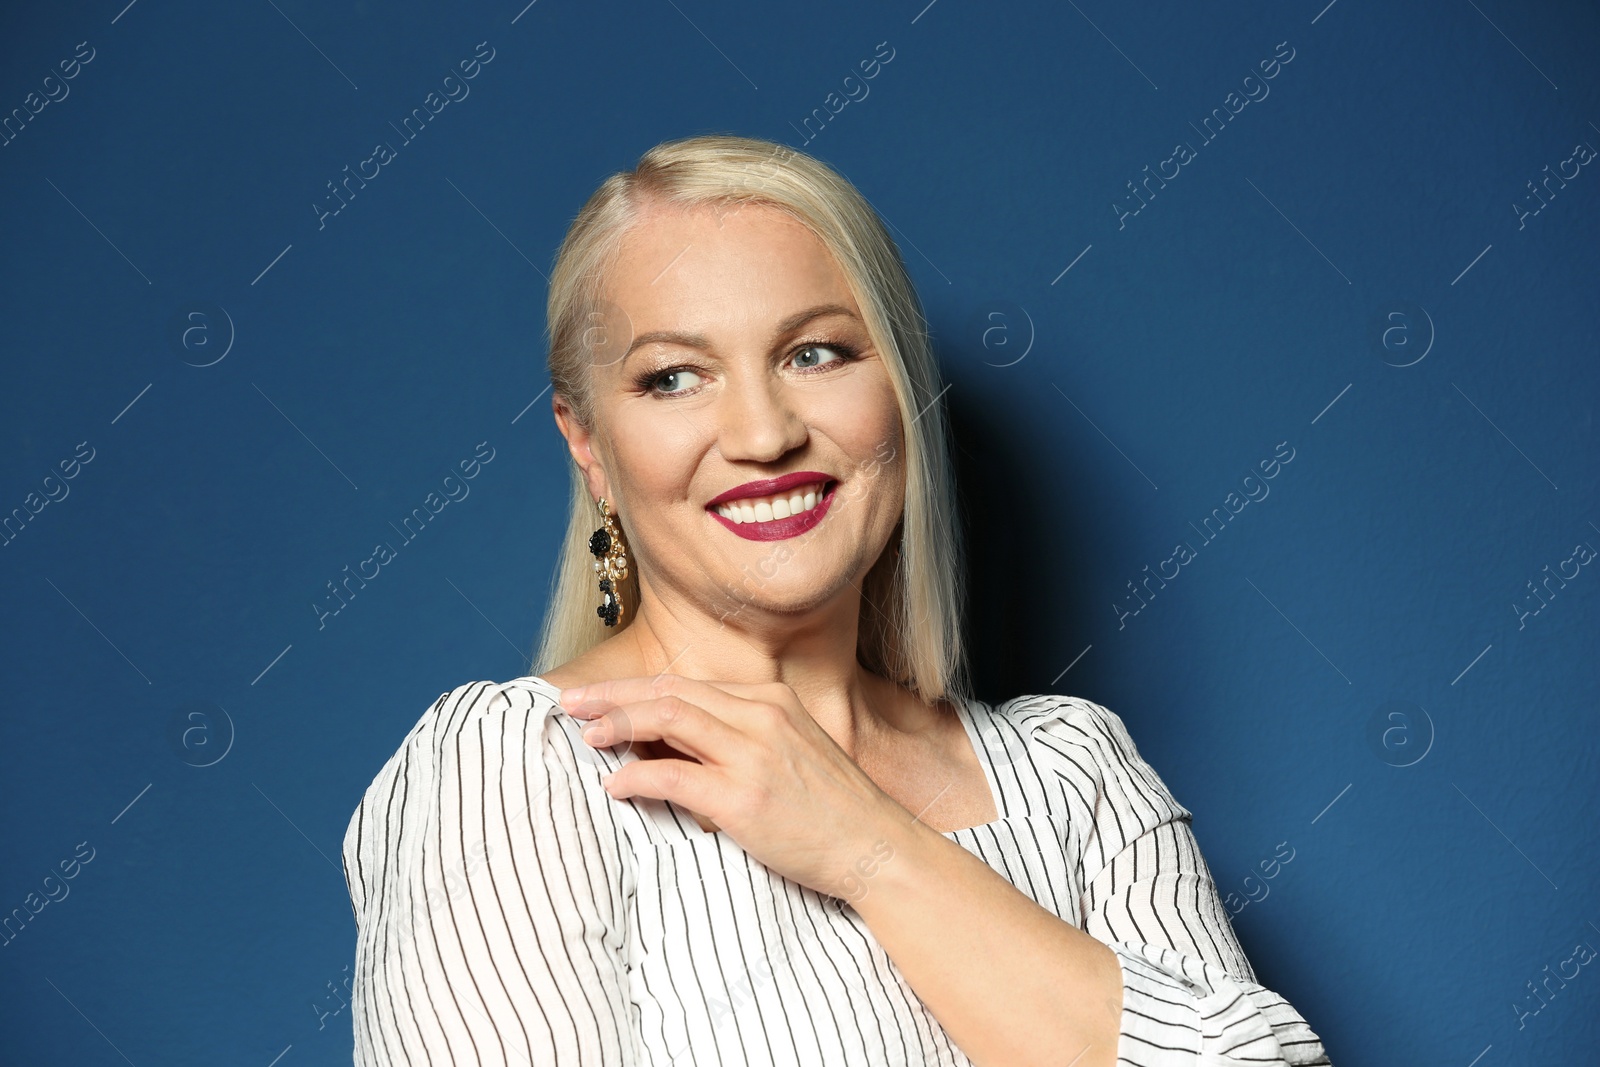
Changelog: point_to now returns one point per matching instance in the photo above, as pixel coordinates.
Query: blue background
(1360, 216)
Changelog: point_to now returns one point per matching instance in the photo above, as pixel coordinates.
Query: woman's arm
(1009, 982)
(1158, 978)
(1149, 894)
(489, 895)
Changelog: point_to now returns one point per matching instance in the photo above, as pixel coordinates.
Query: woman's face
(731, 350)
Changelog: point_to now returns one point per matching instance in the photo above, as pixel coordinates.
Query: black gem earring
(611, 564)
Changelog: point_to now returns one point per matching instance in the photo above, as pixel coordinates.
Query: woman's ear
(580, 443)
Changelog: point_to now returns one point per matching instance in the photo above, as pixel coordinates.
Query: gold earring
(611, 563)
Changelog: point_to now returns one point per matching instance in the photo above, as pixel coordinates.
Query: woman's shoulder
(471, 704)
(485, 724)
(1060, 718)
(1080, 739)
(484, 753)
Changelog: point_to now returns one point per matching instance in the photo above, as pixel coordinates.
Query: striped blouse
(510, 911)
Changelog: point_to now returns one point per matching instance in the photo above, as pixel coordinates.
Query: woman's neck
(857, 708)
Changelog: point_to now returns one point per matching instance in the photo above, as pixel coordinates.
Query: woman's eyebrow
(695, 340)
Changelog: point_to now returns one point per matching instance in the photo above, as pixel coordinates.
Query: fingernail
(595, 735)
(570, 697)
(590, 708)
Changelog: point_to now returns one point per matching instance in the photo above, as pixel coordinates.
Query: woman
(746, 813)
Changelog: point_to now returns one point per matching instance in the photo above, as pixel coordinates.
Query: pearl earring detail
(611, 564)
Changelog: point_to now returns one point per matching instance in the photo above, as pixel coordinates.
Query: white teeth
(767, 508)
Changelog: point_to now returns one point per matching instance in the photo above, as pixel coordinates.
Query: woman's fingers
(712, 697)
(689, 785)
(681, 724)
(755, 762)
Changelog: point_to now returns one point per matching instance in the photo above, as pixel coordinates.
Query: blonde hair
(913, 596)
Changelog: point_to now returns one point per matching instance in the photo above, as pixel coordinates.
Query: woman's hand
(767, 774)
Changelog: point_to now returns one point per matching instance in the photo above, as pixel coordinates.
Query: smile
(777, 516)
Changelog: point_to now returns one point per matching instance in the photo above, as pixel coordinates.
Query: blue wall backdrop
(1270, 331)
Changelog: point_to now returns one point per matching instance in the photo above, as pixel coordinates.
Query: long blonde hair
(913, 596)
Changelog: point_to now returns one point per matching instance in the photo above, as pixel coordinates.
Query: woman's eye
(801, 356)
(672, 381)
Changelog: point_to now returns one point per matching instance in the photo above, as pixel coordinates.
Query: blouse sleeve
(1189, 994)
(490, 894)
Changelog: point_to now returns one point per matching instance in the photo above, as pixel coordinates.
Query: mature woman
(746, 812)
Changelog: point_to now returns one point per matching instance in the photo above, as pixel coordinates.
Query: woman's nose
(758, 421)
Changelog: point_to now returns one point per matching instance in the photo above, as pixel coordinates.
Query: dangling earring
(611, 563)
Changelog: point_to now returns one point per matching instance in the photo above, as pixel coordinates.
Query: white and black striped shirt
(510, 911)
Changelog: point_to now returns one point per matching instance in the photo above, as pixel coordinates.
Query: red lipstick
(769, 486)
(776, 529)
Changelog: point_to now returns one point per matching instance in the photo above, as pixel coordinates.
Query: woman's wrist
(887, 868)
(979, 952)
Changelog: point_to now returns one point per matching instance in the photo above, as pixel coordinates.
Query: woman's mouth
(779, 515)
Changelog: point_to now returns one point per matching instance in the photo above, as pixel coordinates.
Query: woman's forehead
(688, 268)
(665, 232)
